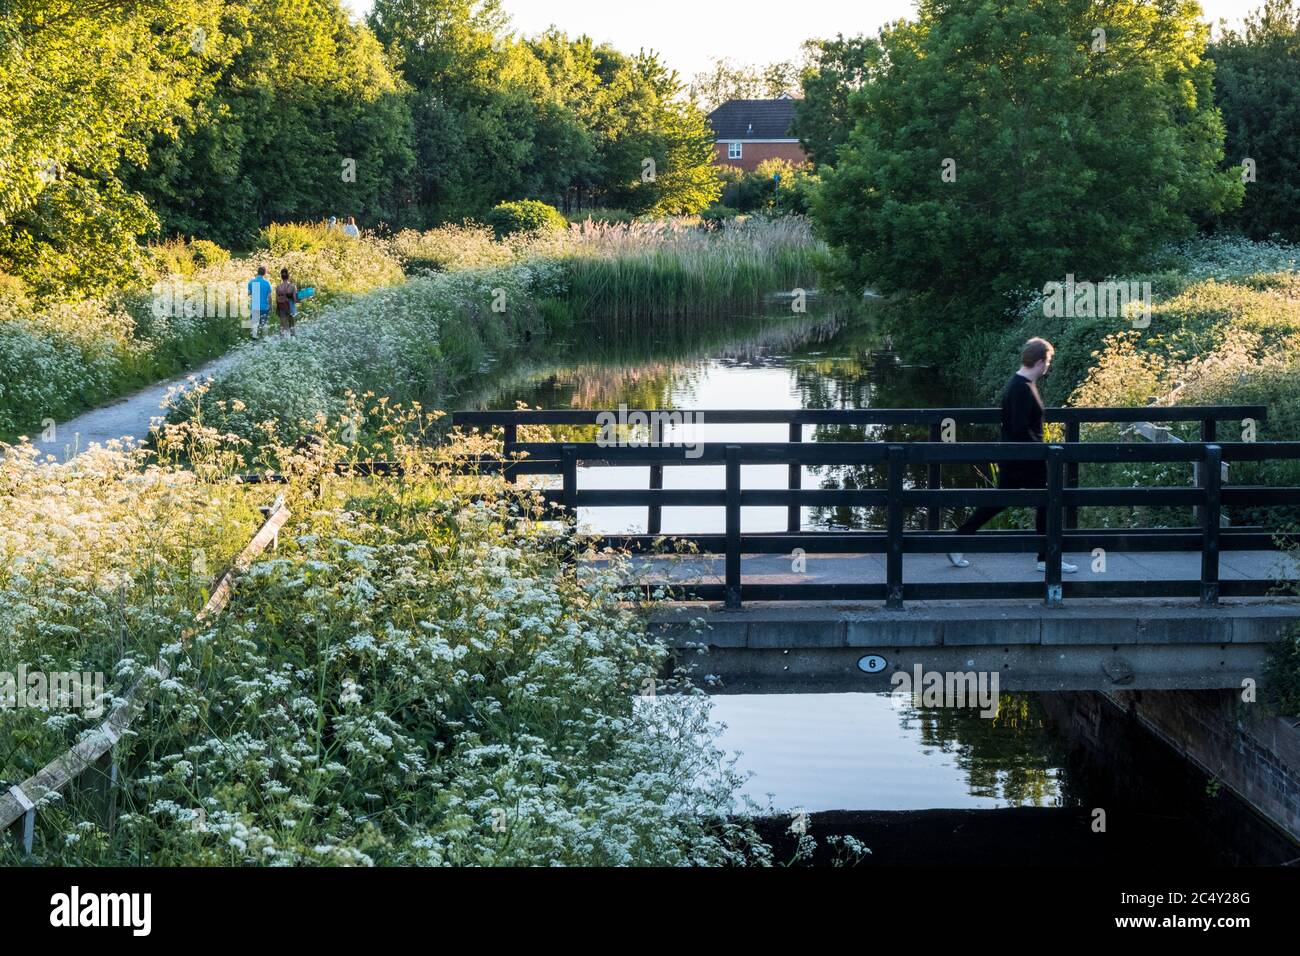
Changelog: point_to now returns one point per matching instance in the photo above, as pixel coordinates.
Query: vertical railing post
(794, 515)
(733, 527)
(1052, 546)
(934, 480)
(1209, 431)
(894, 529)
(569, 471)
(1212, 482)
(654, 514)
(509, 437)
(1072, 474)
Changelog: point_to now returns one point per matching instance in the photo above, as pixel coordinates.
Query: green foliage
(1224, 330)
(760, 191)
(299, 114)
(448, 248)
(416, 676)
(615, 217)
(180, 257)
(527, 216)
(836, 69)
(1067, 159)
(665, 272)
(1257, 75)
(1282, 675)
(84, 87)
(719, 213)
(726, 80)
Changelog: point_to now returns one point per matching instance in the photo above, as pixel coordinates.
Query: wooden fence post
(794, 515)
(654, 514)
(1212, 482)
(1052, 549)
(894, 529)
(934, 481)
(1072, 474)
(733, 528)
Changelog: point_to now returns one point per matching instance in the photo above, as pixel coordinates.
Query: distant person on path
(351, 229)
(333, 223)
(1022, 420)
(259, 297)
(286, 303)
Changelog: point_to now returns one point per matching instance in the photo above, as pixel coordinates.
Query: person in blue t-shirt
(259, 294)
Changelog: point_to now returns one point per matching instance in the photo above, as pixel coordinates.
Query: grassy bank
(415, 677)
(431, 337)
(60, 359)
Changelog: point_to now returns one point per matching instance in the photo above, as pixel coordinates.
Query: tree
(727, 80)
(1256, 84)
(1003, 143)
(84, 88)
(836, 69)
(299, 114)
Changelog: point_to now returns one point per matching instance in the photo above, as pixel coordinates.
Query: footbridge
(1182, 604)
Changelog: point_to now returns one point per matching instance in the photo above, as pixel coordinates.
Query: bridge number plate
(871, 664)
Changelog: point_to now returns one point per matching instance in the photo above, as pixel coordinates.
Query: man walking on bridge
(1022, 420)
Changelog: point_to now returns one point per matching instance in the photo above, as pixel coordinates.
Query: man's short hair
(1035, 351)
(261, 270)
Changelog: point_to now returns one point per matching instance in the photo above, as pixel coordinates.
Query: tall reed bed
(678, 270)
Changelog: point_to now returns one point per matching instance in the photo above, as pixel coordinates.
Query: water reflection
(840, 751)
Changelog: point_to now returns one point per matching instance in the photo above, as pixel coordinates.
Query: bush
(718, 213)
(180, 257)
(281, 238)
(448, 248)
(420, 675)
(528, 217)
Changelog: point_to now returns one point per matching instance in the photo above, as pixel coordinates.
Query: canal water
(917, 785)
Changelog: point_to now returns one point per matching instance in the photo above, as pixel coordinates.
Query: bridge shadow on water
(1159, 809)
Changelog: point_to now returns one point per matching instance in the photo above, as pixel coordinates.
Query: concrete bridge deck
(1089, 644)
(1106, 644)
(935, 568)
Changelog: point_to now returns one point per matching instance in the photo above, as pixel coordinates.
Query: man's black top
(1022, 412)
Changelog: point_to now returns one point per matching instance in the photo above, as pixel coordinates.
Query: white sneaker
(1066, 567)
(957, 560)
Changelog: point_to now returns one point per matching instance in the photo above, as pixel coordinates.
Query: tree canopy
(1258, 89)
(1002, 143)
(130, 119)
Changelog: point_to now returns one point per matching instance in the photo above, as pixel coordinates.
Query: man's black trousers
(1013, 474)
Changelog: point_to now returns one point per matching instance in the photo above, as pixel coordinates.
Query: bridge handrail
(869, 416)
(857, 453)
(1209, 497)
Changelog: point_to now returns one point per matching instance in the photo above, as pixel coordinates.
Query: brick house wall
(753, 153)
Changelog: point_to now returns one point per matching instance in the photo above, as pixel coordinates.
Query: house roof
(753, 119)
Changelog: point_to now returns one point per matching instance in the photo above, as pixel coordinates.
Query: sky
(745, 31)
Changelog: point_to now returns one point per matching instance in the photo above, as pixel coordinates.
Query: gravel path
(129, 417)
